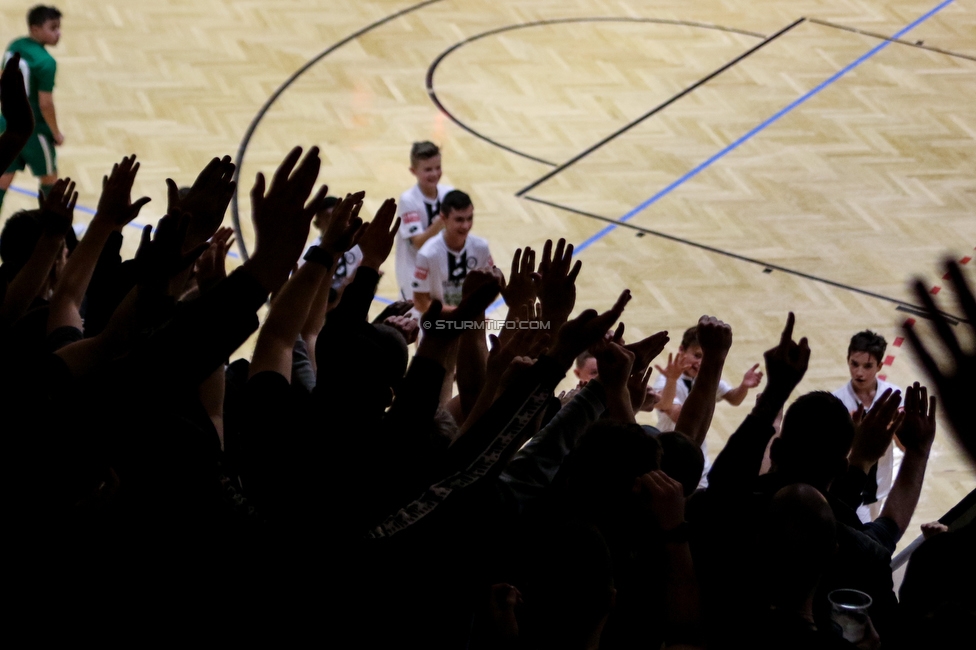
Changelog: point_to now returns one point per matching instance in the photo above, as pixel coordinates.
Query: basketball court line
(657, 109)
(242, 149)
(919, 45)
(593, 19)
(900, 304)
(614, 224)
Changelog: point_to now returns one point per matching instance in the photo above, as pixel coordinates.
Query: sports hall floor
(740, 158)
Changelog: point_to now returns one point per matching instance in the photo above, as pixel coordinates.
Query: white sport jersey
(683, 389)
(886, 464)
(441, 271)
(347, 265)
(416, 212)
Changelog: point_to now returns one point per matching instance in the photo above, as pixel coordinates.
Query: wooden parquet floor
(860, 185)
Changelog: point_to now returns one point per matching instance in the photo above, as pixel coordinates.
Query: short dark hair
(682, 459)
(868, 341)
(455, 200)
(18, 240)
(816, 437)
(583, 357)
(423, 151)
(690, 338)
(40, 14)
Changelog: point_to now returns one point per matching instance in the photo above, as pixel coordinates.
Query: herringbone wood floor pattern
(865, 184)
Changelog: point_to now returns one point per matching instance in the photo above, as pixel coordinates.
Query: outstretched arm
(738, 464)
(56, 216)
(115, 209)
(715, 338)
(17, 112)
(917, 433)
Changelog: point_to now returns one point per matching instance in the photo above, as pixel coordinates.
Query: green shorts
(38, 154)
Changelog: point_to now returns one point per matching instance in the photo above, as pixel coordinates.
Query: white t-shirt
(441, 271)
(665, 423)
(347, 265)
(886, 464)
(416, 212)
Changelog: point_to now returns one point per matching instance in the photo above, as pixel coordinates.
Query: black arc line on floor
(239, 159)
(660, 107)
(541, 23)
(901, 304)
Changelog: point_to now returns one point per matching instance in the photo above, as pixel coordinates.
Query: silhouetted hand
(613, 362)
(58, 208)
(714, 337)
(449, 326)
(408, 327)
(398, 308)
(206, 201)
(917, 430)
(115, 206)
(161, 257)
(875, 429)
(377, 241)
(957, 384)
(663, 498)
(556, 281)
(646, 350)
(14, 102)
(585, 330)
(282, 217)
(344, 227)
(787, 362)
(522, 286)
(211, 267)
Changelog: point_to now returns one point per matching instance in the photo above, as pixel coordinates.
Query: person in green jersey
(39, 68)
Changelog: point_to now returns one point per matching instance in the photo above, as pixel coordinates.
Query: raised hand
(874, 430)
(398, 308)
(585, 330)
(211, 267)
(917, 431)
(282, 217)
(377, 242)
(522, 287)
(408, 327)
(753, 377)
(663, 498)
(14, 102)
(438, 324)
(478, 278)
(714, 336)
(956, 384)
(206, 201)
(787, 362)
(646, 350)
(161, 258)
(58, 208)
(115, 206)
(556, 281)
(677, 365)
(345, 227)
(614, 363)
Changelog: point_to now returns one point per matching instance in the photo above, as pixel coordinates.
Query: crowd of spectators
(335, 484)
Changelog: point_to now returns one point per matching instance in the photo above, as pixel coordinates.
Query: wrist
(679, 534)
(320, 255)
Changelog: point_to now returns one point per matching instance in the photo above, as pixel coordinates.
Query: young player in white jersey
(444, 261)
(419, 211)
(865, 355)
(674, 386)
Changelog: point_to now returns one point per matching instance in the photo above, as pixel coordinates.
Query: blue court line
(86, 210)
(751, 133)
